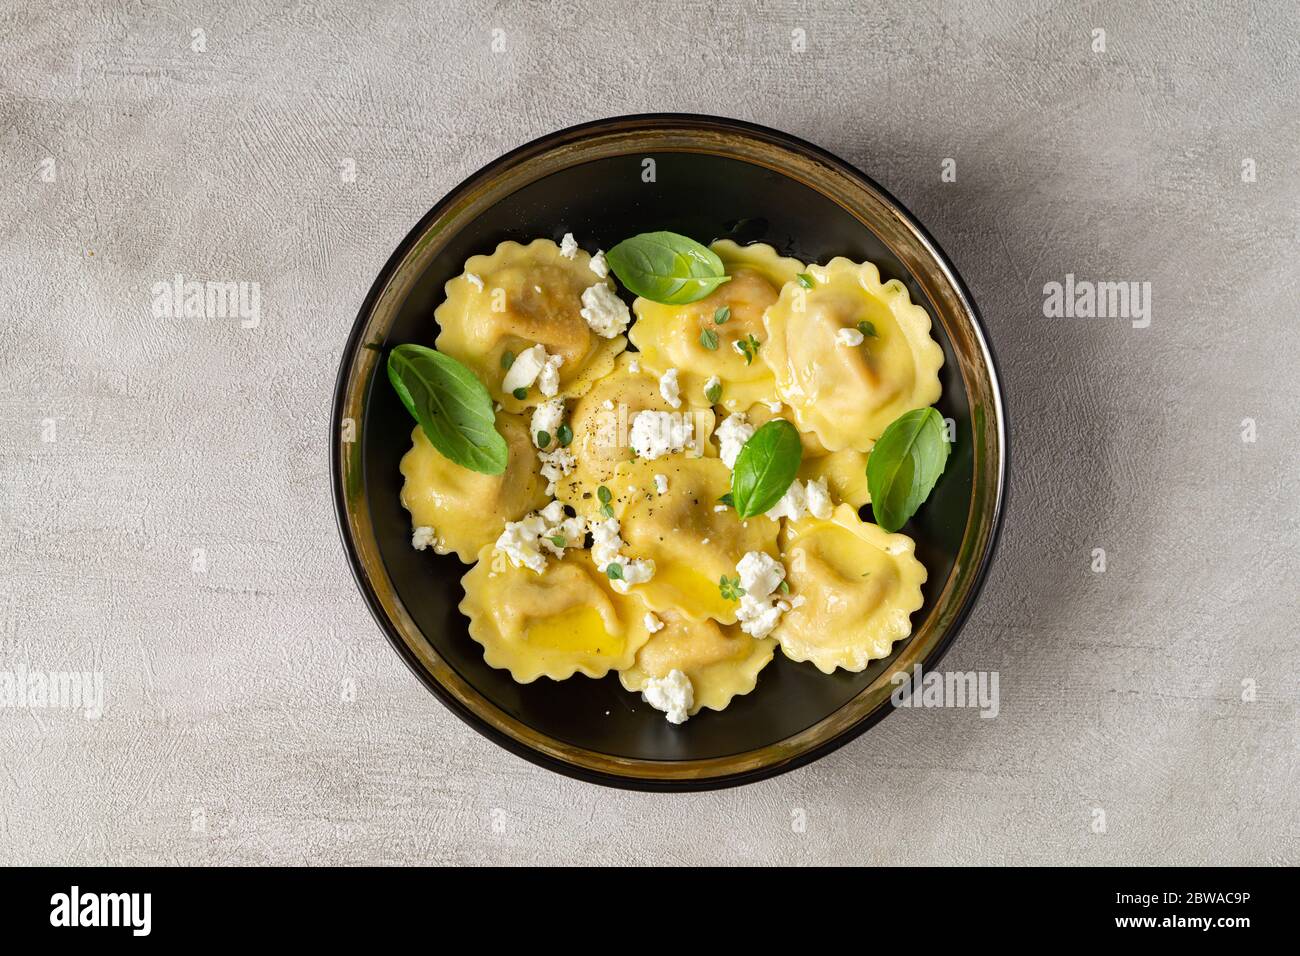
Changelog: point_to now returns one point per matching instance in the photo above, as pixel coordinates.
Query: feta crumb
(773, 407)
(719, 507)
(534, 365)
(673, 694)
(607, 404)
(652, 623)
(557, 463)
(819, 499)
(760, 575)
(598, 264)
(849, 337)
(568, 246)
(655, 434)
(802, 499)
(474, 280)
(523, 541)
(661, 484)
(670, 389)
(421, 537)
(547, 418)
(634, 366)
(604, 311)
(607, 546)
(734, 431)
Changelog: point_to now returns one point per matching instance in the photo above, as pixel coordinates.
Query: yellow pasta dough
(563, 621)
(722, 662)
(675, 336)
(692, 538)
(520, 297)
(853, 588)
(468, 509)
(845, 392)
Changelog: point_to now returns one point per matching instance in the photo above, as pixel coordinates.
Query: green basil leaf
(904, 465)
(451, 405)
(665, 267)
(765, 467)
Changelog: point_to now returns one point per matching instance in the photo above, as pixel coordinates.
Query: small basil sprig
(765, 467)
(904, 465)
(665, 267)
(451, 405)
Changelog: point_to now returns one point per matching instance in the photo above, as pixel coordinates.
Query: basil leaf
(765, 467)
(904, 465)
(451, 405)
(665, 267)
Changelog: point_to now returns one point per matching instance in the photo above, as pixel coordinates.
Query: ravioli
(531, 295)
(602, 421)
(721, 662)
(563, 621)
(693, 539)
(847, 394)
(670, 336)
(468, 509)
(853, 589)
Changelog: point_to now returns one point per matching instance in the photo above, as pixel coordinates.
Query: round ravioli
(721, 662)
(850, 354)
(602, 426)
(853, 588)
(693, 539)
(563, 621)
(521, 297)
(690, 339)
(468, 509)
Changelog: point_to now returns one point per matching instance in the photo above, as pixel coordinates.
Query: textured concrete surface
(165, 520)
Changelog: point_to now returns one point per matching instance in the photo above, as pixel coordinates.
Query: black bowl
(712, 178)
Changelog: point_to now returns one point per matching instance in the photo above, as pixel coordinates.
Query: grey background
(226, 736)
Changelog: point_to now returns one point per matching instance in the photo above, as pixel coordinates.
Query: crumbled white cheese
(713, 383)
(598, 264)
(607, 404)
(474, 280)
(734, 431)
(568, 246)
(604, 311)
(557, 463)
(719, 507)
(547, 418)
(655, 434)
(849, 337)
(634, 365)
(802, 499)
(421, 537)
(673, 694)
(670, 389)
(652, 623)
(661, 484)
(760, 574)
(607, 547)
(534, 365)
(773, 407)
(523, 541)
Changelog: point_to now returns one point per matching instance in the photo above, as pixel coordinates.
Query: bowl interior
(601, 202)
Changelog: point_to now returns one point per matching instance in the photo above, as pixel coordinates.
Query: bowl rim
(783, 762)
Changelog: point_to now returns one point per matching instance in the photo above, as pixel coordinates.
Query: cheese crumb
(673, 694)
(655, 434)
(670, 389)
(474, 280)
(732, 434)
(547, 418)
(774, 407)
(534, 365)
(557, 463)
(607, 546)
(849, 337)
(604, 311)
(801, 499)
(634, 365)
(652, 623)
(525, 541)
(661, 484)
(568, 246)
(598, 264)
(760, 575)
(421, 537)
